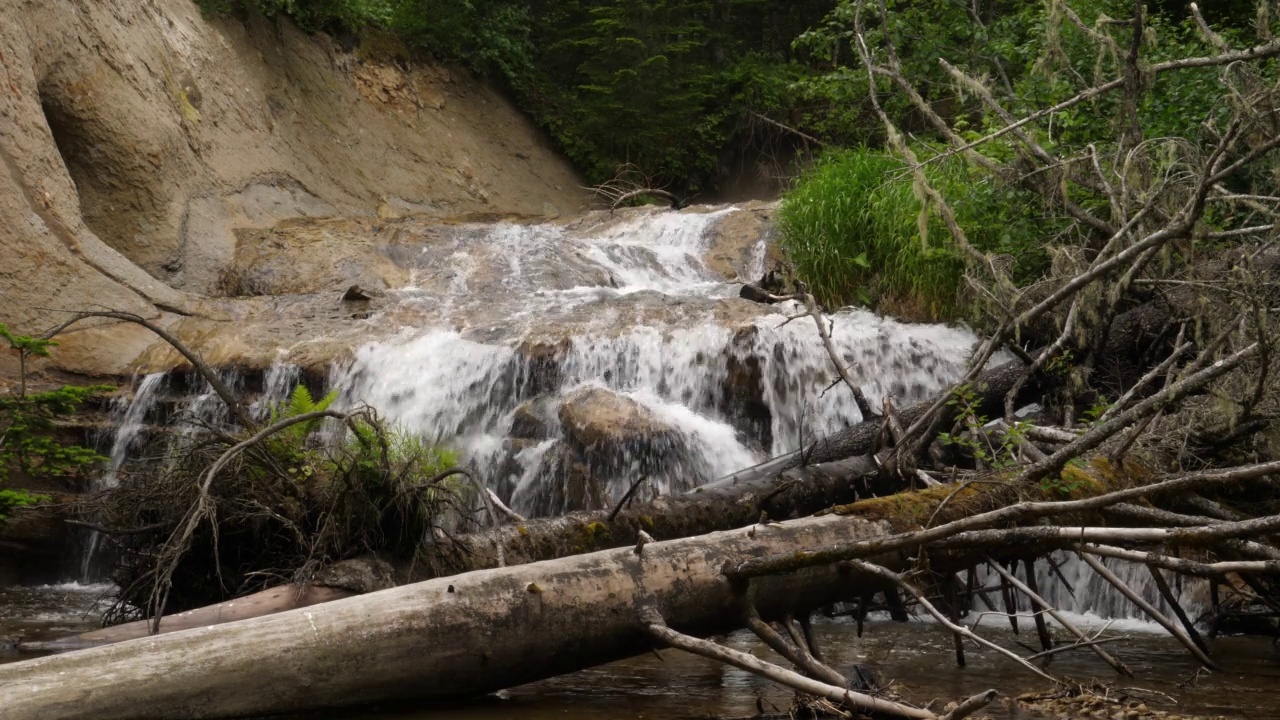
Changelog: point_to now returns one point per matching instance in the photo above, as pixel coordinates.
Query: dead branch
(629, 183)
(654, 624)
(1053, 612)
(206, 371)
(960, 630)
(1019, 512)
(794, 652)
(1148, 608)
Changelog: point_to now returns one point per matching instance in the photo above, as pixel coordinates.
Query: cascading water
(610, 351)
(1076, 589)
(128, 416)
(566, 362)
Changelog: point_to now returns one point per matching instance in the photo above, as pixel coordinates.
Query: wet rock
(742, 396)
(359, 575)
(542, 359)
(566, 484)
(355, 293)
(302, 257)
(534, 420)
(596, 418)
(610, 442)
(737, 240)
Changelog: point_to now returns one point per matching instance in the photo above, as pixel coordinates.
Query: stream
(566, 361)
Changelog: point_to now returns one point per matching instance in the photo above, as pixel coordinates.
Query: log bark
(489, 629)
(439, 639)
(797, 493)
(267, 602)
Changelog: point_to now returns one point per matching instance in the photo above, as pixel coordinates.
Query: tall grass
(854, 232)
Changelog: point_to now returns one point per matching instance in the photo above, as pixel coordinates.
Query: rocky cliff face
(139, 143)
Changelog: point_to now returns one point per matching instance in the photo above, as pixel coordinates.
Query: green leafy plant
(965, 401)
(28, 443)
(12, 499)
(1095, 412)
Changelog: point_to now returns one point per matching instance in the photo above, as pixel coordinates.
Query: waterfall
(128, 417)
(1097, 601)
(565, 362)
(277, 387)
(610, 349)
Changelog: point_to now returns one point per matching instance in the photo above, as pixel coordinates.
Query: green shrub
(10, 499)
(853, 228)
(28, 446)
(301, 499)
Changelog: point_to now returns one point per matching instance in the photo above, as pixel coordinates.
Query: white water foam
(644, 318)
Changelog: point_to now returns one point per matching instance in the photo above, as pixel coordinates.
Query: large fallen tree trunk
(267, 602)
(438, 639)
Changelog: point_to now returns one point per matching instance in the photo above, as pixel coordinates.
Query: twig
(626, 498)
(206, 371)
(941, 617)
(1165, 592)
(1053, 612)
(654, 624)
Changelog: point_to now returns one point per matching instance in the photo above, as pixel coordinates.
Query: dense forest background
(687, 92)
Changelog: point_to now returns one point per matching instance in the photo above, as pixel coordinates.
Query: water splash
(1094, 595)
(278, 384)
(1090, 602)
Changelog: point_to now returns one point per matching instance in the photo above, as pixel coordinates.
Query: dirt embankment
(138, 140)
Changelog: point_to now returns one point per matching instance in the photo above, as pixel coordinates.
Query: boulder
(534, 420)
(742, 399)
(736, 243)
(595, 419)
(613, 440)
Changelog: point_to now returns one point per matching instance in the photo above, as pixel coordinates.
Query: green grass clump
(854, 230)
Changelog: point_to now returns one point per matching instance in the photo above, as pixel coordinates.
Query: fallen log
(485, 630)
(708, 509)
(267, 602)
(990, 389)
(439, 639)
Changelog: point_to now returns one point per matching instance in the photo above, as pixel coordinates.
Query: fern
(300, 402)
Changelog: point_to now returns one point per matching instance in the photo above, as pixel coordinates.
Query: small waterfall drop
(1098, 601)
(128, 416)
